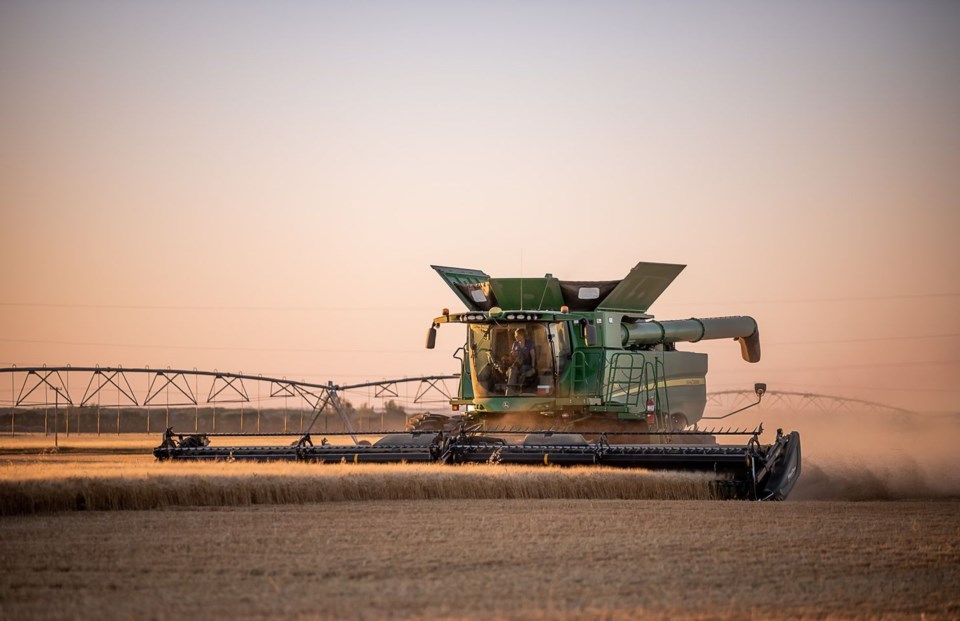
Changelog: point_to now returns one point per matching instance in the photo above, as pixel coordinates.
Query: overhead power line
(215, 348)
(868, 298)
(161, 307)
(407, 351)
(183, 307)
(901, 365)
(817, 386)
(867, 339)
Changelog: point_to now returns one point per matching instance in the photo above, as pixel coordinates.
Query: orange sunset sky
(262, 186)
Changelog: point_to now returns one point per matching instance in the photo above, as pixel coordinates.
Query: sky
(262, 186)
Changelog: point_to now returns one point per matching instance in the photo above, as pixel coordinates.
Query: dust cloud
(869, 455)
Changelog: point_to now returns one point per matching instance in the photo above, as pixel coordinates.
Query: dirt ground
(483, 559)
(872, 531)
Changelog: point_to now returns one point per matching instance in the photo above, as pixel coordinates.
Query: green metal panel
(587, 363)
(460, 280)
(587, 370)
(527, 293)
(675, 381)
(642, 286)
(635, 293)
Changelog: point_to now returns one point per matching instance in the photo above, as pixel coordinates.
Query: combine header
(565, 373)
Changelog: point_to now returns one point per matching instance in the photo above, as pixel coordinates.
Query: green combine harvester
(561, 372)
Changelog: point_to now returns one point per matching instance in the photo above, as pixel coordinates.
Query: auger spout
(743, 329)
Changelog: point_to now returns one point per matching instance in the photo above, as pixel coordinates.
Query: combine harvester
(567, 373)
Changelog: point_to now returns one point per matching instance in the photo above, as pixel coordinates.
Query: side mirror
(432, 337)
(760, 389)
(590, 334)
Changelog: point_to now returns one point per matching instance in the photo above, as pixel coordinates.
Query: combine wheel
(195, 441)
(426, 422)
(433, 422)
(678, 421)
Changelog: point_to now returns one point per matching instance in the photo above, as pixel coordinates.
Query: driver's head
(520, 334)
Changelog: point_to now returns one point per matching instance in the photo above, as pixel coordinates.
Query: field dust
(489, 559)
(851, 455)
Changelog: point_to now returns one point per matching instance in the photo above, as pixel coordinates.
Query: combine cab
(571, 373)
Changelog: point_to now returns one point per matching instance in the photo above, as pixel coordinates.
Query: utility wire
(311, 309)
(806, 387)
(905, 364)
(426, 308)
(215, 348)
(866, 340)
(409, 351)
(869, 298)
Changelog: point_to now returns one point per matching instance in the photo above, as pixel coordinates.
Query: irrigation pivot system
(552, 372)
(174, 394)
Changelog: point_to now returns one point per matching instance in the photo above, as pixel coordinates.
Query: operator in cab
(523, 366)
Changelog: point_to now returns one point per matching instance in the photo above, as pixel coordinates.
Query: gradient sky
(262, 186)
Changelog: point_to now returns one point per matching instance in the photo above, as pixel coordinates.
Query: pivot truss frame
(184, 385)
(800, 402)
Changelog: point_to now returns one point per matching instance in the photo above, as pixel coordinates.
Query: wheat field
(47, 483)
(488, 559)
(93, 532)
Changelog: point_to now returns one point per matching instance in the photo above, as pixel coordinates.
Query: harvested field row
(489, 559)
(35, 487)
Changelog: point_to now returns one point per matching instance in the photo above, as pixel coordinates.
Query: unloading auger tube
(750, 471)
(743, 329)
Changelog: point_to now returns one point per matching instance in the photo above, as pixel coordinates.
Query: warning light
(564, 309)
(445, 312)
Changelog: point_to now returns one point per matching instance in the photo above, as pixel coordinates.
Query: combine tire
(433, 422)
(678, 421)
